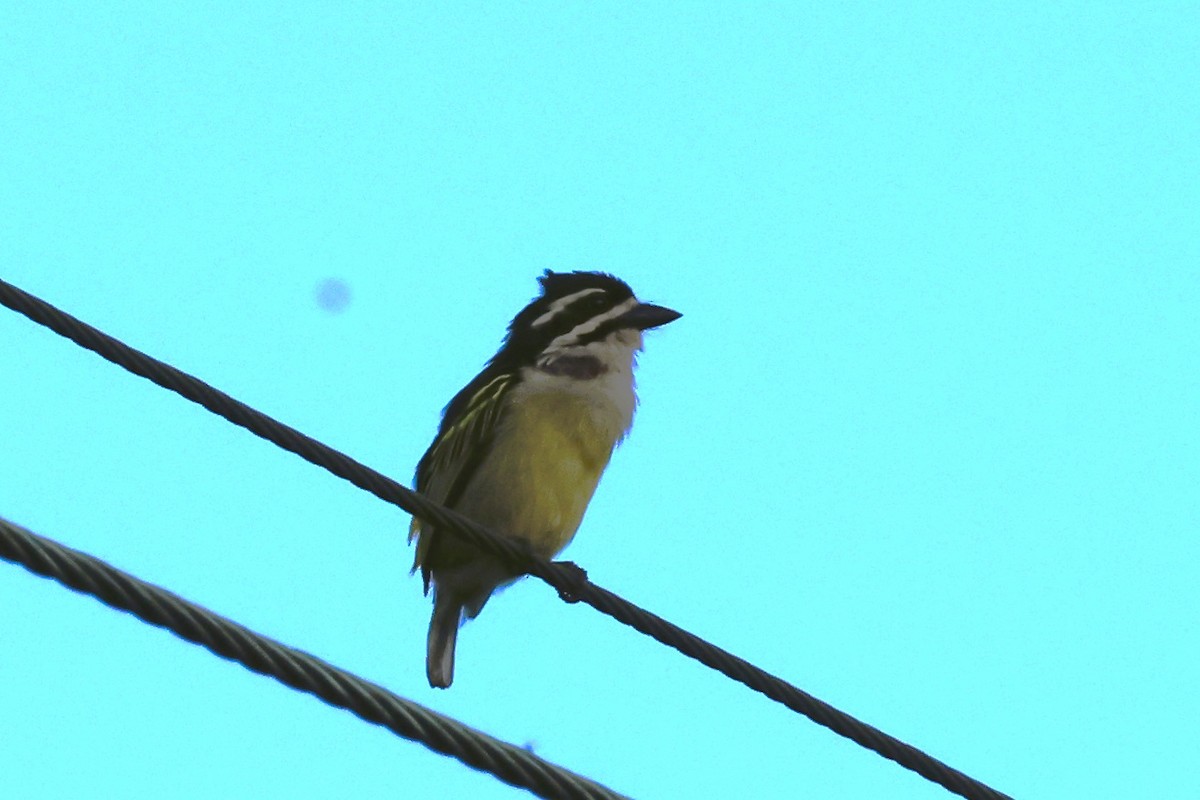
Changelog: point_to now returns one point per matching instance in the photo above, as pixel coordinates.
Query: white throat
(610, 393)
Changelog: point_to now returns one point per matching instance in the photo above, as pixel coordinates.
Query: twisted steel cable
(299, 670)
(569, 580)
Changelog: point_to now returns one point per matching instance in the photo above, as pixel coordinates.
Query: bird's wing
(469, 422)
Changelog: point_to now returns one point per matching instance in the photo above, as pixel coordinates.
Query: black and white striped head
(577, 313)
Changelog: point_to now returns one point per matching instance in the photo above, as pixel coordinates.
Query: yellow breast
(545, 462)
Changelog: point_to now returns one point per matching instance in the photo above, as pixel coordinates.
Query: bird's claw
(576, 581)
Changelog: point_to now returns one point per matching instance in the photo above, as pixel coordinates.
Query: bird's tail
(443, 631)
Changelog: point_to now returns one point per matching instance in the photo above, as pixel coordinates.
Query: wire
(570, 581)
(299, 670)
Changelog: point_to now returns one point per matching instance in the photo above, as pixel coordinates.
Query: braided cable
(299, 670)
(570, 581)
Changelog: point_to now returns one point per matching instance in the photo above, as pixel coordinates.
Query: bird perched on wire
(521, 448)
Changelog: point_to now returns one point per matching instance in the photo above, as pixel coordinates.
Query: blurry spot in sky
(333, 295)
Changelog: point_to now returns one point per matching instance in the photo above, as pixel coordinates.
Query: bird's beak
(645, 316)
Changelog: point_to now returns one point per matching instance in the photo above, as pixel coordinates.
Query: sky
(925, 442)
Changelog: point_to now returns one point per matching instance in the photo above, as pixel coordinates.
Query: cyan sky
(925, 442)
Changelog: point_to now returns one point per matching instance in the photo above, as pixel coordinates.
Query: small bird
(521, 448)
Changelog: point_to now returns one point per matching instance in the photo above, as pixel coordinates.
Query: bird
(521, 448)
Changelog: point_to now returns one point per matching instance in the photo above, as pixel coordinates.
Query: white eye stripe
(561, 303)
(592, 324)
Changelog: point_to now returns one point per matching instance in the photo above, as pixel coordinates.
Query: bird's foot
(575, 581)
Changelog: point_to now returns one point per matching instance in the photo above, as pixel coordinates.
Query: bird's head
(581, 314)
